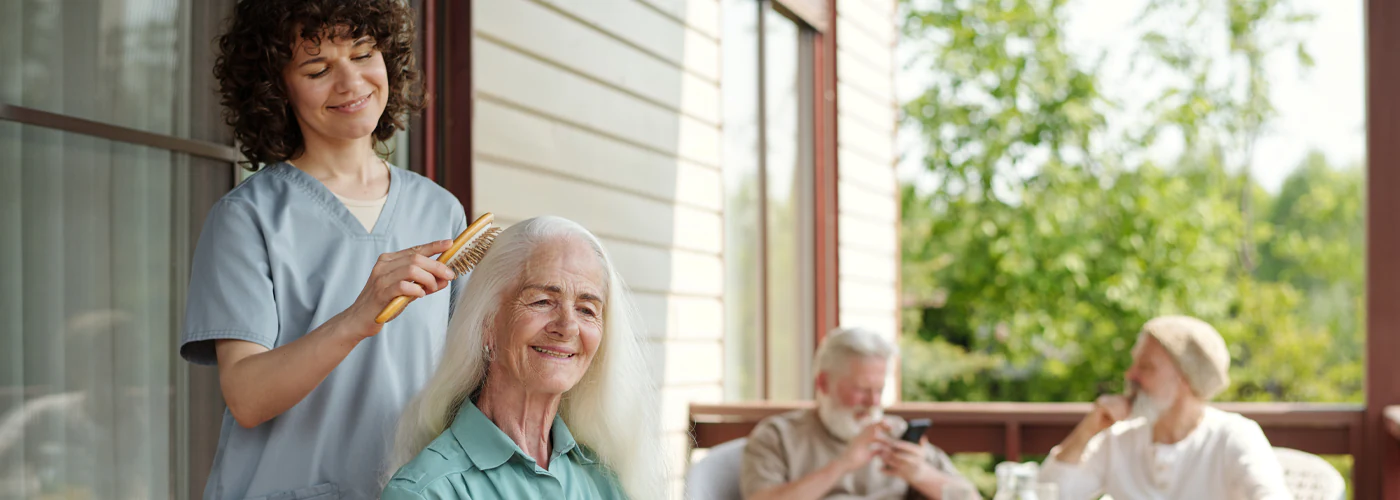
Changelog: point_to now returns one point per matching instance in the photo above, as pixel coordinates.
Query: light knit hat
(1197, 349)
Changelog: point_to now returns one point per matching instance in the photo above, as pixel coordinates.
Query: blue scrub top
(278, 256)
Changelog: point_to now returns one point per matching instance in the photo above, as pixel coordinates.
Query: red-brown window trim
(441, 141)
(452, 125)
(423, 127)
(826, 216)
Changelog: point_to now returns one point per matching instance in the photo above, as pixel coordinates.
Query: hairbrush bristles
(472, 254)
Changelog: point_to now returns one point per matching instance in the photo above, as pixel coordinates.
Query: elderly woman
(542, 391)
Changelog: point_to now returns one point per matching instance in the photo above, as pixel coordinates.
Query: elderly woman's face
(549, 326)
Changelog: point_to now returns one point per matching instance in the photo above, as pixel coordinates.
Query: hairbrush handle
(396, 306)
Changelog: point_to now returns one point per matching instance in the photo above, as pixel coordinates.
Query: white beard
(842, 422)
(1148, 406)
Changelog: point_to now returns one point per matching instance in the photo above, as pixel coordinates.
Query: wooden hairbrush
(465, 253)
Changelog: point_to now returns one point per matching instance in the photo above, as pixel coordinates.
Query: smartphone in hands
(917, 428)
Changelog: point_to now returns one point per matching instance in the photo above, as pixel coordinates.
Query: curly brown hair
(258, 45)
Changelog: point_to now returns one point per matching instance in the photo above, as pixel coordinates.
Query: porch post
(1378, 466)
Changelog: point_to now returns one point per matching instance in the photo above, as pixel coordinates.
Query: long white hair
(612, 410)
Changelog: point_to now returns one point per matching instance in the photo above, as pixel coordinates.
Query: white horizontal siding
(858, 295)
(647, 28)
(885, 8)
(867, 191)
(681, 317)
(858, 136)
(867, 204)
(868, 267)
(657, 271)
(528, 83)
(857, 168)
(878, 83)
(858, 40)
(678, 272)
(623, 216)
(863, 234)
(699, 15)
(853, 103)
(524, 138)
(686, 363)
(874, 22)
(548, 34)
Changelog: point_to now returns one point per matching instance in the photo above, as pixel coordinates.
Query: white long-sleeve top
(1226, 457)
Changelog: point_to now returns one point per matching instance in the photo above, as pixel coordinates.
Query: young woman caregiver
(293, 264)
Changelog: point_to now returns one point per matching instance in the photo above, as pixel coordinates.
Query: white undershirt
(367, 211)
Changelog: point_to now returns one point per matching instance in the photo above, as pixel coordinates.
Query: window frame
(448, 117)
(816, 20)
(196, 403)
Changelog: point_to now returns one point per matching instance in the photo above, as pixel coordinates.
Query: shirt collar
(488, 447)
(564, 442)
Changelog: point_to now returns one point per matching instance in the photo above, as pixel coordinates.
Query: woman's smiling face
(337, 87)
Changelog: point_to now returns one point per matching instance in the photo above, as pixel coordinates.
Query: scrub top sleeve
(230, 294)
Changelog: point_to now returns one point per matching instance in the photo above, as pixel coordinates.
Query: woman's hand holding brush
(411, 272)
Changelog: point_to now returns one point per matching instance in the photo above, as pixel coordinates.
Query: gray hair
(844, 344)
(612, 410)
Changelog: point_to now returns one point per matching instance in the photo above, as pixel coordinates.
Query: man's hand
(906, 461)
(871, 442)
(909, 461)
(1107, 411)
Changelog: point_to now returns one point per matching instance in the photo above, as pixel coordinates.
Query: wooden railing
(1013, 429)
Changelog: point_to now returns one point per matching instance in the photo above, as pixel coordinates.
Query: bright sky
(1323, 108)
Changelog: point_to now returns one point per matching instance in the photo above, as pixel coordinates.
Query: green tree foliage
(1050, 237)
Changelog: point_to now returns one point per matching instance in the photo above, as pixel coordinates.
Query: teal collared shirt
(473, 459)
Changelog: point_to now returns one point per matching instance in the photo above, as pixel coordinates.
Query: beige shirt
(785, 448)
(365, 211)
